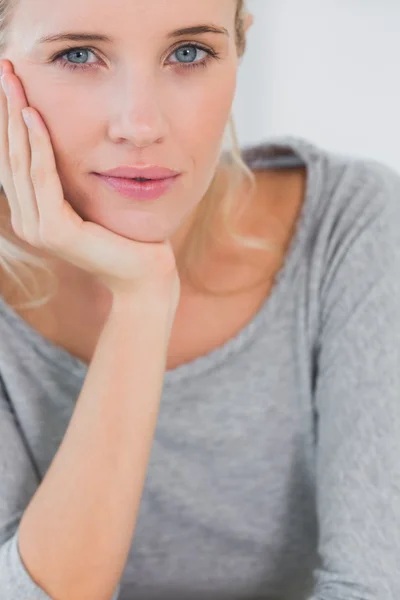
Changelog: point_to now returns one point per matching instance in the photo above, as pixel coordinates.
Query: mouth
(138, 179)
(139, 188)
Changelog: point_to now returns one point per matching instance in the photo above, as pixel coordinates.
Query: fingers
(46, 182)
(28, 173)
(6, 177)
(25, 217)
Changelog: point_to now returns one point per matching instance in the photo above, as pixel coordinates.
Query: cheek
(204, 110)
(65, 110)
(72, 122)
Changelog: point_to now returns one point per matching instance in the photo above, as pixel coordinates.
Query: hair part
(218, 202)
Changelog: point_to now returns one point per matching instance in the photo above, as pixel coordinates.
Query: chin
(133, 226)
(140, 226)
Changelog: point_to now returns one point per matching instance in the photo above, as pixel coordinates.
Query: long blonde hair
(219, 199)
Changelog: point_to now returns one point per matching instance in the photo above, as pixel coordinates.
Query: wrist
(161, 296)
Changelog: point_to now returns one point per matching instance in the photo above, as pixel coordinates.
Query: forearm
(77, 530)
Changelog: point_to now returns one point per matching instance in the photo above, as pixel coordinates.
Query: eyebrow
(95, 37)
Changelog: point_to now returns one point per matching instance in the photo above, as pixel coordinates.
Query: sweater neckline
(285, 152)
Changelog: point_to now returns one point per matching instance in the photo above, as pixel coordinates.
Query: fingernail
(27, 118)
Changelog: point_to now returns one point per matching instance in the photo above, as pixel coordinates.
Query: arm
(357, 404)
(76, 532)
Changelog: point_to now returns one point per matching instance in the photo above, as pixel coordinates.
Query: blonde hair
(219, 200)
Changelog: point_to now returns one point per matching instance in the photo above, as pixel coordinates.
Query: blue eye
(187, 53)
(190, 51)
(81, 59)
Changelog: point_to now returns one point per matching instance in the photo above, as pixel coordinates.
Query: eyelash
(58, 58)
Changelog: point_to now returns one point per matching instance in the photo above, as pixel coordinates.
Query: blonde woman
(199, 348)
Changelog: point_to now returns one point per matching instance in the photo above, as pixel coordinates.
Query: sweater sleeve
(18, 483)
(357, 398)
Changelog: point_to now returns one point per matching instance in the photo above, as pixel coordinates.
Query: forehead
(133, 22)
(143, 17)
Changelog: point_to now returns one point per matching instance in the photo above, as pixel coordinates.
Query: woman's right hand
(41, 216)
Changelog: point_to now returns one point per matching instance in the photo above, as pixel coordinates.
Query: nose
(137, 116)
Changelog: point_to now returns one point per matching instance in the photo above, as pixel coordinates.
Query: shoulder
(348, 234)
(359, 198)
(360, 183)
(354, 237)
(337, 185)
(349, 206)
(339, 181)
(330, 169)
(351, 203)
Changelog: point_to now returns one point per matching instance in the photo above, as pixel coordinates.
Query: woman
(256, 293)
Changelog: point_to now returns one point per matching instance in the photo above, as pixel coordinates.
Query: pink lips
(147, 171)
(137, 190)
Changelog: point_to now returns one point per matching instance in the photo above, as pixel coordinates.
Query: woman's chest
(228, 502)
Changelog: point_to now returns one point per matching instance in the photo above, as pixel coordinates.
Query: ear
(248, 21)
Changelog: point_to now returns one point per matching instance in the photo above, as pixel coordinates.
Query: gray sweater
(275, 468)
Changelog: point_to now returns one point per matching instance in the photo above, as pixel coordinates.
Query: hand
(41, 216)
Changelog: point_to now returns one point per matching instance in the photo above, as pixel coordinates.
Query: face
(146, 96)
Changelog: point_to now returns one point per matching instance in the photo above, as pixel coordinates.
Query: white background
(325, 70)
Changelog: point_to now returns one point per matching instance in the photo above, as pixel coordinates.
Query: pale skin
(76, 532)
(93, 126)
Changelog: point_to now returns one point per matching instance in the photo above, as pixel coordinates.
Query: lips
(148, 172)
(139, 190)
(138, 179)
